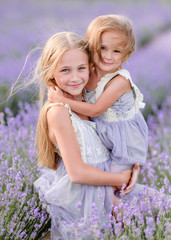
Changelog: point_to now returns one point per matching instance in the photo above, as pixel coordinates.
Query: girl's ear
(52, 82)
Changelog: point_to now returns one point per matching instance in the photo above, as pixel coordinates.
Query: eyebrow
(113, 45)
(65, 66)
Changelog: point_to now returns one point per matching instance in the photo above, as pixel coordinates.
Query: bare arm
(93, 80)
(117, 87)
(59, 123)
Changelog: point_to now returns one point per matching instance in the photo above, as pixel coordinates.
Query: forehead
(73, 56)
(113, 38)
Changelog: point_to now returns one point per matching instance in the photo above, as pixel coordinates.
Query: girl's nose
(108, 54)
(74, 76)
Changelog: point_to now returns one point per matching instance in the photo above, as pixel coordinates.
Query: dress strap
(59, 104)
(76, 123)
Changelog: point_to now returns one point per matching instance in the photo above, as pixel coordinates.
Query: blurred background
(29, 23)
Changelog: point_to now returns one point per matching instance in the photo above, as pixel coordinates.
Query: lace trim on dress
(111, 116)
(77, 129)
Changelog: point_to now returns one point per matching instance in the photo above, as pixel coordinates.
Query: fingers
(136, 169)
(133, 179)
(136, 166)
(51, 92)
(126, 191)
(131, 184)
(128, 188)
(52, 89)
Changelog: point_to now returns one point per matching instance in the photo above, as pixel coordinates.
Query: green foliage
(12, 103)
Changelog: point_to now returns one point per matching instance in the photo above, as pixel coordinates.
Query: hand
(124, 178)
(55, 94)
(133, 180)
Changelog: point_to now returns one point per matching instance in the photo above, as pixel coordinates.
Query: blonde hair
(46, 150)
(55, 47)
(52, 52)
(105, 23)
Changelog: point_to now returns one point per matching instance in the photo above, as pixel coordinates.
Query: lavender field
(28, 24)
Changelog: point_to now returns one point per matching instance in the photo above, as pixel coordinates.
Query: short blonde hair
(105, 23)
(55, 47)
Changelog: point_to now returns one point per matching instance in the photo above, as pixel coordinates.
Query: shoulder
(58, 115)
(121, 81)
(125, 73)
(124, 77)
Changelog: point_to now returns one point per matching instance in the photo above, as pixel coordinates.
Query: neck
(101, 73)
(78, 98)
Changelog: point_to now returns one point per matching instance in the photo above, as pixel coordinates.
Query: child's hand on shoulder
(55, 94)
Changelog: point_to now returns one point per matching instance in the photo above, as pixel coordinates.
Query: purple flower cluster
(158, 166)
(21, 215)
(145, 217)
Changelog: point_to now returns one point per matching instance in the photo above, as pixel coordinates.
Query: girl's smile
(75, 85)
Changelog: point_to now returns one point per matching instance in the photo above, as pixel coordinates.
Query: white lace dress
(69, 202)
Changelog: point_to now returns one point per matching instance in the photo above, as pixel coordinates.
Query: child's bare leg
(116, 202)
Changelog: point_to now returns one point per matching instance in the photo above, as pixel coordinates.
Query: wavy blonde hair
(55, 47)
(105, 23)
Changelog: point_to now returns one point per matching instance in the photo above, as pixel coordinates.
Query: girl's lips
(106, 63)
(75, 85)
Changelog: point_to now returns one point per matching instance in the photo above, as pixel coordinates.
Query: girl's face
(112, 52)
(72, 72)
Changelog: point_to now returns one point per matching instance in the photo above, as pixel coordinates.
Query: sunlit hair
(105, 23)
(52, 52)
(55, 47)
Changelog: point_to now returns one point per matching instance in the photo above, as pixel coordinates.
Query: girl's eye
(116, 51)
(102, 48)
(64, 70)
(81, 68)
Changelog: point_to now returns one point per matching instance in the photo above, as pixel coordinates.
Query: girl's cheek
(64, 79)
